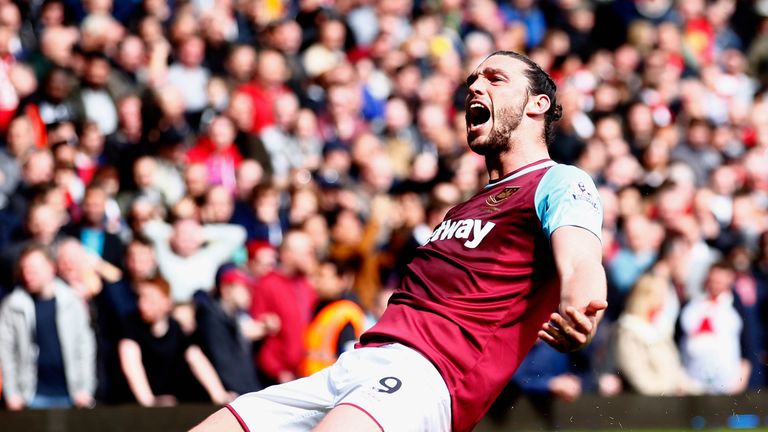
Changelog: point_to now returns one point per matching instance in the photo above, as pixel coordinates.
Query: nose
(478, 86)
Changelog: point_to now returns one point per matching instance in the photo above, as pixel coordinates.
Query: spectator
(96, 97)
(188, 253)
(47, 348)
(227, 332)
(286, 292)
(159, 361)
(647, 356)
(190, 76)
(218, 152)
(91, 229)
(266, 86)
(339, 320)
(713, 336)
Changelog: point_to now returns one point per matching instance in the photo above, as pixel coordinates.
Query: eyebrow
(486, 71)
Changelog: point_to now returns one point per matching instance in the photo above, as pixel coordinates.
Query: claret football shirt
(475, 295)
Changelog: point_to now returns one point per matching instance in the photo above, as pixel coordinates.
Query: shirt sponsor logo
(473, 230)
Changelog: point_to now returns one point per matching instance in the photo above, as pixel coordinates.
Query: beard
(506, 120)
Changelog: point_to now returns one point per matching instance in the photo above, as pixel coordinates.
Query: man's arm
(223, 240)
(205, 373)
(135, 374)
(578, 257)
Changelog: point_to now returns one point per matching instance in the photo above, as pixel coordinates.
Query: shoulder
(16, 299)
(566, 181)
(560, 174)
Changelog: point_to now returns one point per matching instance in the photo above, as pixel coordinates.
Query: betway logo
(463, 229)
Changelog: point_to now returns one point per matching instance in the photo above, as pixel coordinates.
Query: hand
(165, 401)
(271, 322)
(285, 376)
(83, 399)
(224, 398)
(609, 384)
(572, 330)
(566, 387)
(14, 403)
(252, 330)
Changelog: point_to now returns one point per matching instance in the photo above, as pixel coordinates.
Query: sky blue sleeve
(567, 196)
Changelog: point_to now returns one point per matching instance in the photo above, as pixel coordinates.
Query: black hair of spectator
(539, 82)
(345, 266)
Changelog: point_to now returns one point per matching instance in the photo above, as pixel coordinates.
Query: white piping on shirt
(513, 176)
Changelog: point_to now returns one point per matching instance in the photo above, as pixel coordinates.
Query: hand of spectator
(566, 387)
(252, 329)
(609, 384)
(271, 322)
(285, 376)
(83, 399)
(224, 398)
(14, 403)
(165, 401)
(573, 329)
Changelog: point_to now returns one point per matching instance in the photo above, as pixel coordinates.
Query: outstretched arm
(578, 257)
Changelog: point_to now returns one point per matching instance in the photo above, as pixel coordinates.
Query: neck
(229, 307)
(47, 292)
(160, 327)
(518, 156)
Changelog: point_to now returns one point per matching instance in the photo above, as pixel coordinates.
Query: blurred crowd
(200, 198)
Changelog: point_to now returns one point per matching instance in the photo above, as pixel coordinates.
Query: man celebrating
(477, 295)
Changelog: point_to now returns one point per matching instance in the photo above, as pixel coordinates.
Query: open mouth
(477, 114)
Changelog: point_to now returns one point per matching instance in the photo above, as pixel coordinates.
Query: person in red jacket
(286, 292)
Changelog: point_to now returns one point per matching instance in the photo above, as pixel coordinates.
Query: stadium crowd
(202, 198)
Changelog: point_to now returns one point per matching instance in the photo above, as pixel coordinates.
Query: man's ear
(539, 104)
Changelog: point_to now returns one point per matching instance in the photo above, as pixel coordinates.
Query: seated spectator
(646, 354)
(226, 331)
(712, 336)
(159, 361)
(47, 349)
(339, 320)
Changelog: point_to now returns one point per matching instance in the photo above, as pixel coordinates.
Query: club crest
(501, 196)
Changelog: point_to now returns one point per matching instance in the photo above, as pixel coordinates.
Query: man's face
(153, 304)
(140, 261)
(719, 280)
(187, 237)
(94, 205)
(498, 92)
(36, 272)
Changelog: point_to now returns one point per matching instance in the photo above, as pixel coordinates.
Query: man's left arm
(578, 258)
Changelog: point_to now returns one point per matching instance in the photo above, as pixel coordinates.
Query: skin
(512, 137)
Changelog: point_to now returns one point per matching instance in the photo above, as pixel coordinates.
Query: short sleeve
(567, 196)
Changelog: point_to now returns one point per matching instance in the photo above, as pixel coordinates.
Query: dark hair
(539, 82)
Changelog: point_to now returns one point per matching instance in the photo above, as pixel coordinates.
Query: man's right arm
(157, 231)
(135, 374)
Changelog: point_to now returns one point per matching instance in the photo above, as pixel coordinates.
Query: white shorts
(394, 385)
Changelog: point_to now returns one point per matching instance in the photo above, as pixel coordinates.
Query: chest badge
(507, 192)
